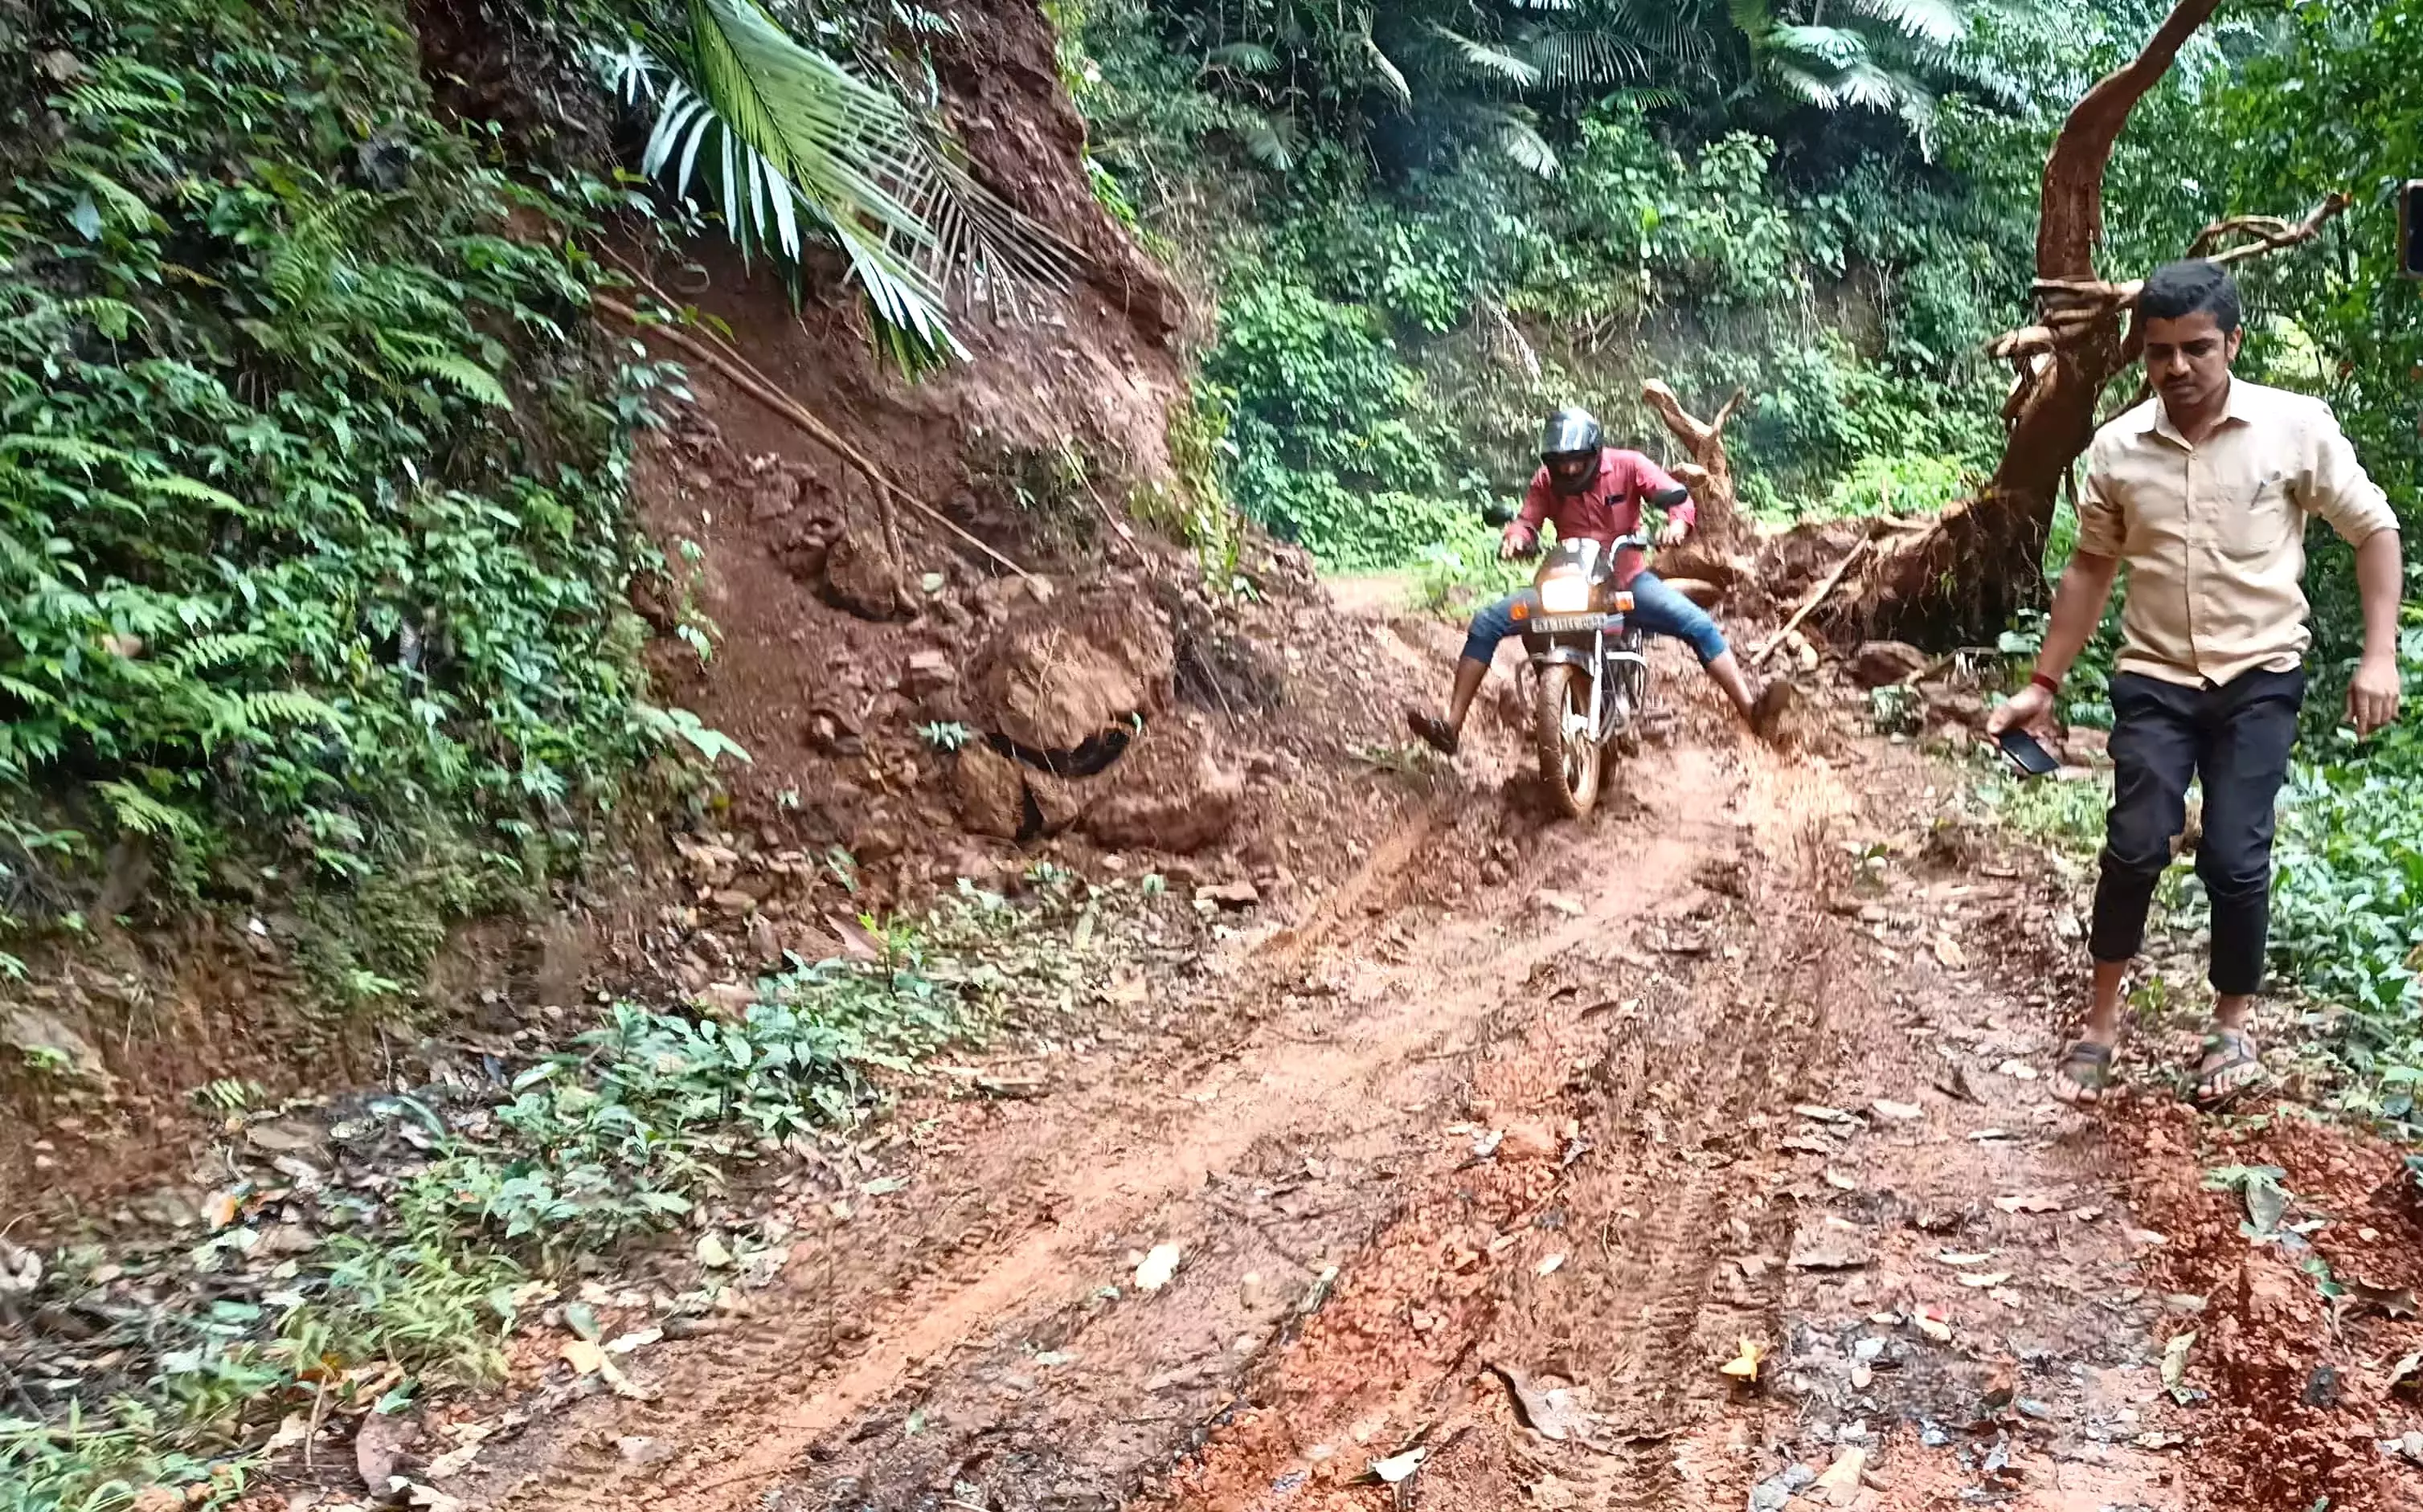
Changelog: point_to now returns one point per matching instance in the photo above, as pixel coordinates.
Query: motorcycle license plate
(1564, 624)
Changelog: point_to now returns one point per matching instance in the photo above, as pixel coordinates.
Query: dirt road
(1481, 1171)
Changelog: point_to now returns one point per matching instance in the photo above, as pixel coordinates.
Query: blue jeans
(1656, 608)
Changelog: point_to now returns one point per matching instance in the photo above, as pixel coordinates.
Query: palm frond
(1832, 47)
(1934, 20)
(1527, 149)
(1866, 86)
(1597, 57)
(1389, 73)
(1510, 131)
(1271, 141)
(1801, 85)
(790, 142)
(1491, 62)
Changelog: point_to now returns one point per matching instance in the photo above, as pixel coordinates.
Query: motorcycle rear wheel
(1571, 758)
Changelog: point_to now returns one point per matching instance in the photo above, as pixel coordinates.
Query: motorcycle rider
(1590, 489)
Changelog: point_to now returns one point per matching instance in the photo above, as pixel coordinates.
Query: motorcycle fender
(1570, 655)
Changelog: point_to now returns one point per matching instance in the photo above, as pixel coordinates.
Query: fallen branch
(1809, 605)
(745, 376)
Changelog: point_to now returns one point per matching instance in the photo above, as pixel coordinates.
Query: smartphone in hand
(2027, 753)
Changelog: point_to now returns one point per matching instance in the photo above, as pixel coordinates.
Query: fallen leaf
(638, 1338)
(1824, 1114)
(883, 1187)
(1157, 1269)
(2018, 1070)
(2389, 1301)
(2027, 1202)
(2175, 1358)
(1974, 1257)
(1982, 1135)
(1744, 1367)
(1948, 951)
(1861, 1374)
(584, 1356)
(1983, 1278)
(2408, 1373)
(430, 1499)
(378, 1444)
(1549, 1266)
(220, 1211)
(291, 1429)
(1392, 1472)
(1841, 1482)
(713, 1252)
(1954, 1083)
(1839, 1182)
(1899, 1112)
(451, 1463)
(1933, 1323)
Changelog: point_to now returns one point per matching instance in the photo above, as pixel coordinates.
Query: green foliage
(794, 144)
(312, 528)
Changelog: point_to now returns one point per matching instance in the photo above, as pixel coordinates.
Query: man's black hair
(2177, 290)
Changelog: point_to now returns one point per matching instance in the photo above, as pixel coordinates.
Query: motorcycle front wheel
(1570, 754)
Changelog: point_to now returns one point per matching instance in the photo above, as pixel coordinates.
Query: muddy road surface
(1691, 1157)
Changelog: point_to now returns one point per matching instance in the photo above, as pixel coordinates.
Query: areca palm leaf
(1866, 86)
(1389, 73)
(1271, 141)
(1934, 20)
(1491, 62)
(1510, 131)
(1564, 59)
(1831, 47)
(792, 142)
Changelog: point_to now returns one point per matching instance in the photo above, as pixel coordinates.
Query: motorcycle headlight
(1564, 596)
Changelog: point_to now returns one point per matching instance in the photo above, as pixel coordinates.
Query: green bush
(313, 536)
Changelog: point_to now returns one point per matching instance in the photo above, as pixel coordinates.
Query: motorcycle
(1589, 677)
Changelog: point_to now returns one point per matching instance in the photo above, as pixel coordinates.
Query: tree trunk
(1709, 475)
(1984, 560)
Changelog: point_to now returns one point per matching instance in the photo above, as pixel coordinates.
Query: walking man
(2204, 491)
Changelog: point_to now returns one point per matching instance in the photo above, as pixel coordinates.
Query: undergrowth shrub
(313, 536)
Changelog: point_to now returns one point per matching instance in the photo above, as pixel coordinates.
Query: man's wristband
(2050, 684)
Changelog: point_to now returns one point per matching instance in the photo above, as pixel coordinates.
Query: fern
(214, 653)
(460, 373)
(139, 812)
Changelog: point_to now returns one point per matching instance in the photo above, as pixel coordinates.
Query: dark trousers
(2236, 739)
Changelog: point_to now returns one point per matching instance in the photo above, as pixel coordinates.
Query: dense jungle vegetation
(1427, 223)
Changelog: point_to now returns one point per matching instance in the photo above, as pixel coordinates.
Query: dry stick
(1811, 603)
(711, 338)
(757, 387)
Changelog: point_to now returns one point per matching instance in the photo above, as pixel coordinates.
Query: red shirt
(1611, 507)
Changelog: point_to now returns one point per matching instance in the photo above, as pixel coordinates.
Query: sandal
(2239, 1071)
(1433, 730)
(2083, 1073)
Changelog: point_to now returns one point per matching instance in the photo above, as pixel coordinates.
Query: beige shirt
(2214, 535)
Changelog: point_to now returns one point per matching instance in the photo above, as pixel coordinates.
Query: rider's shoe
(1433, 730)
